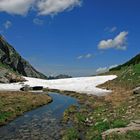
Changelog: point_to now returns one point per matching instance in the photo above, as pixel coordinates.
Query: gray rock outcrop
(10, 58)
(136, 90)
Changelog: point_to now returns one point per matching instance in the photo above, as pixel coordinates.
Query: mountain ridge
(133, 61)
(11, 58)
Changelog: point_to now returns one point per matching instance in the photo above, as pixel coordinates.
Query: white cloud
(113, 66)
(87, 56)
(7, 24)
(80, 57)
(119, 42)
(19, 7)
(102, 69)
(38, 21)
(111, 30)
(52, 7)
(105, 69)
(42, 7)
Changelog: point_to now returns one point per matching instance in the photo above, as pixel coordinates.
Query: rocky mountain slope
(11, 61)
(61, 76)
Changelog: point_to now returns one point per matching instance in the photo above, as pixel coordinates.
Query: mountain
(11, 60)
(61, 76)
(135, 60)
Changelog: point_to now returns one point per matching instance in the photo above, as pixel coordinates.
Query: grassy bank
(98, 114)
(128, 77)
(13, 104)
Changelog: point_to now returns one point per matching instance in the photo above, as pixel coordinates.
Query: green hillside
(135, 60)
(128, 73)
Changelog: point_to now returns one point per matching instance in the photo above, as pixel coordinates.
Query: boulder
(4, 80)
(37, 88)
(26, 88)
(136, 90)
(13, 78)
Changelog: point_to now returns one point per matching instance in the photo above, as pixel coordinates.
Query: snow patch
(81, 84)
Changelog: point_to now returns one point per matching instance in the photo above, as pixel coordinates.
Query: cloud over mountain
(105, 69)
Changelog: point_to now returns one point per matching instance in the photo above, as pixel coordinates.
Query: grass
(98, 114)
(128, 77)
(94, 132)
(71, 134)
(118, 123)
(13, 104)
(130, 135)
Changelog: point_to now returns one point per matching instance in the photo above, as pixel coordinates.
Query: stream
(43, 123)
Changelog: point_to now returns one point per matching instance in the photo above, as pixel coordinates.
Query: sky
(74, 37)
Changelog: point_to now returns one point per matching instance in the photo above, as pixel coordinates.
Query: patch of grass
(13, 104)
(119, 123)
(128, 77)
(79, 118)
(71, 134)
(5, 116)
(94, 132)
(130, 135)
(102, 126)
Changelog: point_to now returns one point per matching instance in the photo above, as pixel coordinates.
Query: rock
(134, 125)
(4, 80)
(10, 58)
(13, 78)
(136, 90)
(7, 76)
(26, 88)
(37, 88)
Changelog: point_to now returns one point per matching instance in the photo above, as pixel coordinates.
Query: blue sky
(73, 37)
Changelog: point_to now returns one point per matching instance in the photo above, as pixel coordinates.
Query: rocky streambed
(43, 123)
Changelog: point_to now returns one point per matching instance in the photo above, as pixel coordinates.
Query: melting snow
(81, 84)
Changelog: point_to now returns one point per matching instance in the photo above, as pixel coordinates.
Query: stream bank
(43, 123)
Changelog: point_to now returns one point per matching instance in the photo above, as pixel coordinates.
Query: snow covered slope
(82, 84)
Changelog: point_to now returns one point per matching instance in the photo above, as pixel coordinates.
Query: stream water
(43, 123)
